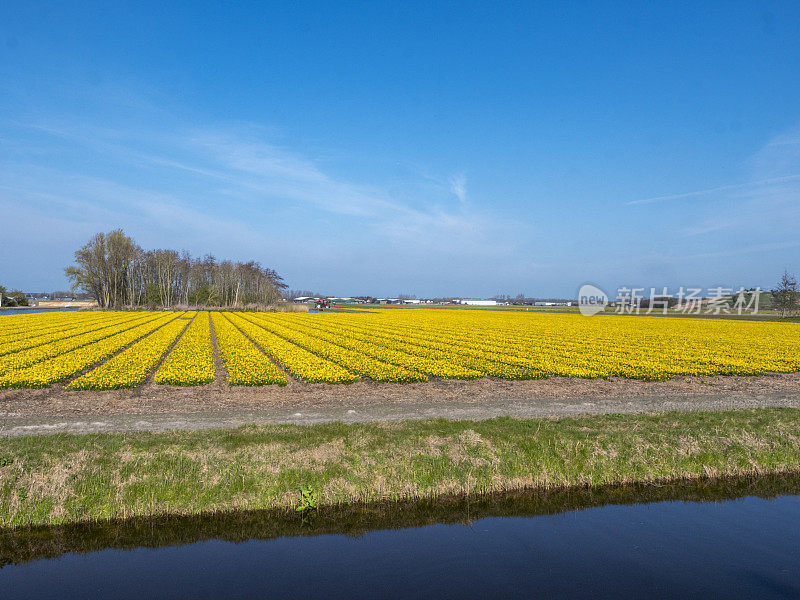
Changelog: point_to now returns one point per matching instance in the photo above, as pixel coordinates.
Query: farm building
(479, 302)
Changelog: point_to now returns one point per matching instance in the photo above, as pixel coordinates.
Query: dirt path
(356, 412)
(155, 408)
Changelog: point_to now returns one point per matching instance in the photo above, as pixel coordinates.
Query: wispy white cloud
(248, 167)
(229, 189)
(756, 216)
(82, 201)
(704, 228)
(458, 185)
(716, 190)
(742, 251)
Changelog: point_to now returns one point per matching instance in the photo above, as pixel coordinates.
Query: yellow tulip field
(107, 350)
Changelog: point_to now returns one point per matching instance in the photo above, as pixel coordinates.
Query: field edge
(70, 478)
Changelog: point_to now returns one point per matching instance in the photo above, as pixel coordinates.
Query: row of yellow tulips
(191, 362)
(244, 363)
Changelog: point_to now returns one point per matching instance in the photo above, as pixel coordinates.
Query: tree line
(117, 272)
(12, 298)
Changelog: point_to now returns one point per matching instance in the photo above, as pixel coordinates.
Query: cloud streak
(243, 166)
(715, 190)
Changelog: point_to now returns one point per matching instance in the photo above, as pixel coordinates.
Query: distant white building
(479, 302)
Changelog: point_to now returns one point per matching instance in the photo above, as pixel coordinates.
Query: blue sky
(427, 148)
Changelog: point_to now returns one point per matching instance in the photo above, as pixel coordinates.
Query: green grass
(24, 544)
(70, 478)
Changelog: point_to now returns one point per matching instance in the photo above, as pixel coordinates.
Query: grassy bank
(23, 544)
(70, 478)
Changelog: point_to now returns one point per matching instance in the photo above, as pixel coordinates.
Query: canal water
(703, 546)
(25, 311)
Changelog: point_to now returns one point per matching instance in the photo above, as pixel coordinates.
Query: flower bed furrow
(191, 362)
(66, 365)
(357, 361)
(131, 367)
(63, 331)
(298, 361)
(244, 363)
(25, 358)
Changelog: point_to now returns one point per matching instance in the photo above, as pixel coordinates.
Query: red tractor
(323, 303)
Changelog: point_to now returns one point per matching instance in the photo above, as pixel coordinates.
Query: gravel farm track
(154, 407)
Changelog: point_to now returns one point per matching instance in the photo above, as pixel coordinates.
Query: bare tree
(103, 267)
(787, 296)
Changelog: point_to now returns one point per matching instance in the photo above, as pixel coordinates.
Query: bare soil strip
(220, 372)
(155, 407)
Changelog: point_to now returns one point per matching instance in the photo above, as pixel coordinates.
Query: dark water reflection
(732, 538)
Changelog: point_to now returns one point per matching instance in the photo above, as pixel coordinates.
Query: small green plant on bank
(308, 500)
(6, 461)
